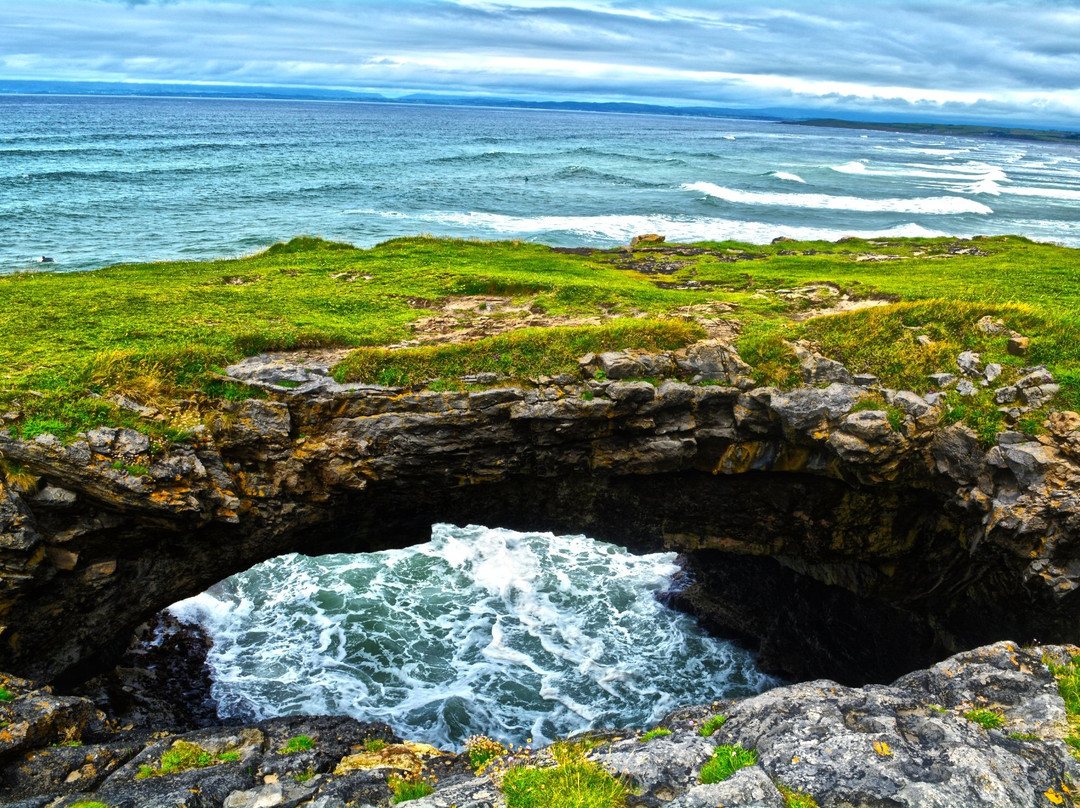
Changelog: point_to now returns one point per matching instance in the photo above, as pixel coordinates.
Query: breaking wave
(940, 205)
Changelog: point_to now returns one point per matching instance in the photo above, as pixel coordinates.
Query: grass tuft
(184, 756)
(300, 743)
(727, 760)
(987, 719)
(409, 788)
(659, 732)
(574, 782)
(794, 798)
(711, 725)
(1068, 676)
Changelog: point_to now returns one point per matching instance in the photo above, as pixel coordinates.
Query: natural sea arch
(842, 547)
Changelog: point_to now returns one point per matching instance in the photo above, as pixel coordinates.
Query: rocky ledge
(843, 527)
(921, 742)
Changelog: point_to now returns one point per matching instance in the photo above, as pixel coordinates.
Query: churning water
(513, 635)
(97, 180)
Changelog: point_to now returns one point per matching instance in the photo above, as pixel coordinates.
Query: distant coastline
(950, 130)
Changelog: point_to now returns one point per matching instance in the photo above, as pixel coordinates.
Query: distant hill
(28, 87)
(950, 129)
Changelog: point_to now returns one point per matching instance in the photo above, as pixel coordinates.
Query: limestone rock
(969, 363)
(943, 379)
(746, 788)
(908, 744)
(647, 238)
(991, 327)
(716, 360)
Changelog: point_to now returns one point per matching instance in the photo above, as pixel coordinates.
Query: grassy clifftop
(158, 335)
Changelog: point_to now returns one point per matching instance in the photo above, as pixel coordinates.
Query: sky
(1008, 62)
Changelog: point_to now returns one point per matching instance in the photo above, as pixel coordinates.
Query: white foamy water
(932, 205)
(514, 635)
(787, 175)
(616, 228)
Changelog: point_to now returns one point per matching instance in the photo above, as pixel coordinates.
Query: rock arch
(845, 546)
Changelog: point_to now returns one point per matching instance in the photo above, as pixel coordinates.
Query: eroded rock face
(850, 542)
(910, 744)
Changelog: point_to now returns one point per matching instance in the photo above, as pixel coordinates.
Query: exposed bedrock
(850, 546)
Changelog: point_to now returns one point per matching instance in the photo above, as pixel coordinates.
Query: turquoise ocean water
(95, 180)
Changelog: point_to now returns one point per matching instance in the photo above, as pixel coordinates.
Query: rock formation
(846, 529)
(913, 744)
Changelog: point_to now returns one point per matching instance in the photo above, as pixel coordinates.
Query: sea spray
(512, 635)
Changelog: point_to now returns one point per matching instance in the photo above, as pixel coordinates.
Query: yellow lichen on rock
(407, 756)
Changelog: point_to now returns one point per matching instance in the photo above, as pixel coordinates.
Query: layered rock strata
(845, 528)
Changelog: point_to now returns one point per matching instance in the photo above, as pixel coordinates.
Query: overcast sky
(1006, 61)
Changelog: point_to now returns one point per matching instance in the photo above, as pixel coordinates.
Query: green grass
(727, 760)
(659, 732)
(711, 725)
(375, 745)
(5, 694)
(300, 743)
(520, 354)
(574, 782)
(89, 804)
(161, 333)
(1068, 677)
(411, 788)
(795, 799)
(987, 719)
(184, 756)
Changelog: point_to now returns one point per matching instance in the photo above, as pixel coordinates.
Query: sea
(519, 636)
(523, 637)
(95, 180)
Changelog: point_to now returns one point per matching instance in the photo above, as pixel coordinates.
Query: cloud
(961, 57)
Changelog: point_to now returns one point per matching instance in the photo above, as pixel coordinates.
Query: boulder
(1018, 345)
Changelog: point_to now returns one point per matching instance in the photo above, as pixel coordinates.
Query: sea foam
(939, 205)
(514, 635)
(619, 229)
